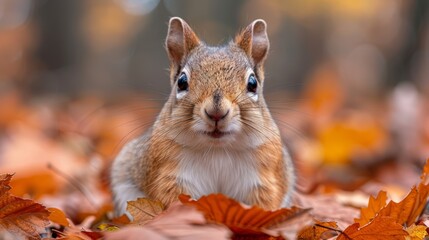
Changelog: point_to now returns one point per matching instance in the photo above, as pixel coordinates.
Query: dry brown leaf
(320, 230)
(58, 216)
(20, 217)
(143, 210)
(374, 206)
(416, 232)
(220, 209)
(177, 222)
(380, 228)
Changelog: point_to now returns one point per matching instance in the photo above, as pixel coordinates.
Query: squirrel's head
(217, 91)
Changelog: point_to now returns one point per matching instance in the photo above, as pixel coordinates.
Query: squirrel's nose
(216, 115)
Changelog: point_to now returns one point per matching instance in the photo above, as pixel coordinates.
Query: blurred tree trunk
(60, 44)
(401, 67)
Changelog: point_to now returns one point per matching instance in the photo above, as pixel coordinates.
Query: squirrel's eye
(182, 82)
(252, 84)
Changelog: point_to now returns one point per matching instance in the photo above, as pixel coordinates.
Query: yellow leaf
(105, 227)
(416, 232)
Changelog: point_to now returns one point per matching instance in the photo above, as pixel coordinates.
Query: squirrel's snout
(216, 115)
(217, 110)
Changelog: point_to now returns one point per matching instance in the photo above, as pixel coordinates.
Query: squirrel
(215, 133)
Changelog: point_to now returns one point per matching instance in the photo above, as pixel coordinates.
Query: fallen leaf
(404, 211)
(106, 227)
(374, 206)
(425, 174)
(100, 214)
(380, 228)
(57, 216)
(177, 222)
(93, 235)
(289, 229)
(411, 207)
(416, 232)
(369, 138)
(20, 217)
(80, 232)
(320, 230)
(4, 183)
(36, 184)
(327, 208)
(121, 220)
(143, 210)
(220, 209)
(80, 235)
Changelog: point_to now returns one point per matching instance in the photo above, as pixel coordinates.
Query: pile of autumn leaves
(217, 217)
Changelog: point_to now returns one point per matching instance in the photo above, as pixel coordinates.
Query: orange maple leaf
(409, 209)
(220, 209)
(20, 217)
(404, 212)
(374, 206)
(380, 228)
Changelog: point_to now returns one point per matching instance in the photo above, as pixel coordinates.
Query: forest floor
(361, 171)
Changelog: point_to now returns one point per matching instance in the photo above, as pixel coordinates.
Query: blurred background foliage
(347, 81)
(74, 47)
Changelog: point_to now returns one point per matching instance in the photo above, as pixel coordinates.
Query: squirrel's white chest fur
(233, 173)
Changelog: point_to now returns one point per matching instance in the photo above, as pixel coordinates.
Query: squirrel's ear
(254, 41)
(180, 40)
